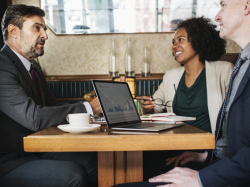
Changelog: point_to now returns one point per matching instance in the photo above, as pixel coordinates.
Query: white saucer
(75, 129)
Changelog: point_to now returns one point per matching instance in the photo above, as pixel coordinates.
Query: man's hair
(204, 37)
(16, 14)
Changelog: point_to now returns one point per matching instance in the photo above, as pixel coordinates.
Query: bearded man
(27, 106)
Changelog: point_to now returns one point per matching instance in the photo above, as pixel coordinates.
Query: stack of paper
(166, 117)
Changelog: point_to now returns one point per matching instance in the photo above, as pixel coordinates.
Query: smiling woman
(197, 46)
(201, 83)
(182, 48)
(204, 39)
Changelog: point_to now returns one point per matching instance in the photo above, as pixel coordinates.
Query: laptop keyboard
(139, 126)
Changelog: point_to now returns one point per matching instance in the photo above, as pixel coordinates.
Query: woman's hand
(147, 104)
(187, 157)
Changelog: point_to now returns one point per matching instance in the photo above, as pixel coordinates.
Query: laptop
(120, 111)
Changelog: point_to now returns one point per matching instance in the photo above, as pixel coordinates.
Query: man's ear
(247, 7)
(12, 31)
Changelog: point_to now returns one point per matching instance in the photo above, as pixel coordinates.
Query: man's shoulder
(3, 56)
(7, 56)
(4, 59)
(6, 63)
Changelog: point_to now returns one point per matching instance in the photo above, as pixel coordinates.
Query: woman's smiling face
(182, 48)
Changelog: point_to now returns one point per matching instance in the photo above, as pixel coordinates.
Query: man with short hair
(27, 106)
(230, 160)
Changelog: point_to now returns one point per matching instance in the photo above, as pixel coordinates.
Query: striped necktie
(224, 105)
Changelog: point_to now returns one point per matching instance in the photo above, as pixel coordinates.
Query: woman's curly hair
(204, 38)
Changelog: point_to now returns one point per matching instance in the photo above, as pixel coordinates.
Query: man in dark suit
(28, 106)
(230, 160)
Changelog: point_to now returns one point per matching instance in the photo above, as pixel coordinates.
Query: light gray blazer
(217, 78)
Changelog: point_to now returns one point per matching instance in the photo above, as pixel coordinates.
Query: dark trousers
(55, 170)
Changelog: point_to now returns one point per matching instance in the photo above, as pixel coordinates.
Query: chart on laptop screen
(117, 102)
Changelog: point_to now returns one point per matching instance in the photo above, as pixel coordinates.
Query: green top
(192, 102)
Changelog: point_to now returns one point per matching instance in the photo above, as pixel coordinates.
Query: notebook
(166, 117)
(120, 111)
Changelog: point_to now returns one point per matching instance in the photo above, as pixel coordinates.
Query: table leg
(134, 171)
(105, 169)
(120, 167)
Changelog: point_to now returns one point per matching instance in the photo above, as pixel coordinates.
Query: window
(123, 16)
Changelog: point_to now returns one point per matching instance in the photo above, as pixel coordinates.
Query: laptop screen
(116, 101)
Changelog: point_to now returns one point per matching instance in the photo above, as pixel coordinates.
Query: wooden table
(119, 152)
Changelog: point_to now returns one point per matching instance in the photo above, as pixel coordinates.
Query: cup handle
(67, 118)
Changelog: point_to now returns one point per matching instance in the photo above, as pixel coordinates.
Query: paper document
(166, 117)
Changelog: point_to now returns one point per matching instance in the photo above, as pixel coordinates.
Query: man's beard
(31, 50)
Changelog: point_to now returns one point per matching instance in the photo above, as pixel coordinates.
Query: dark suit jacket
(234, 170)
(22, 112)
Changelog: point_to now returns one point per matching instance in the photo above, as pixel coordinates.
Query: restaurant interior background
(87, 54)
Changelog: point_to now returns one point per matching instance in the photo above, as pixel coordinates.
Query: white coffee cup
(79, 119)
